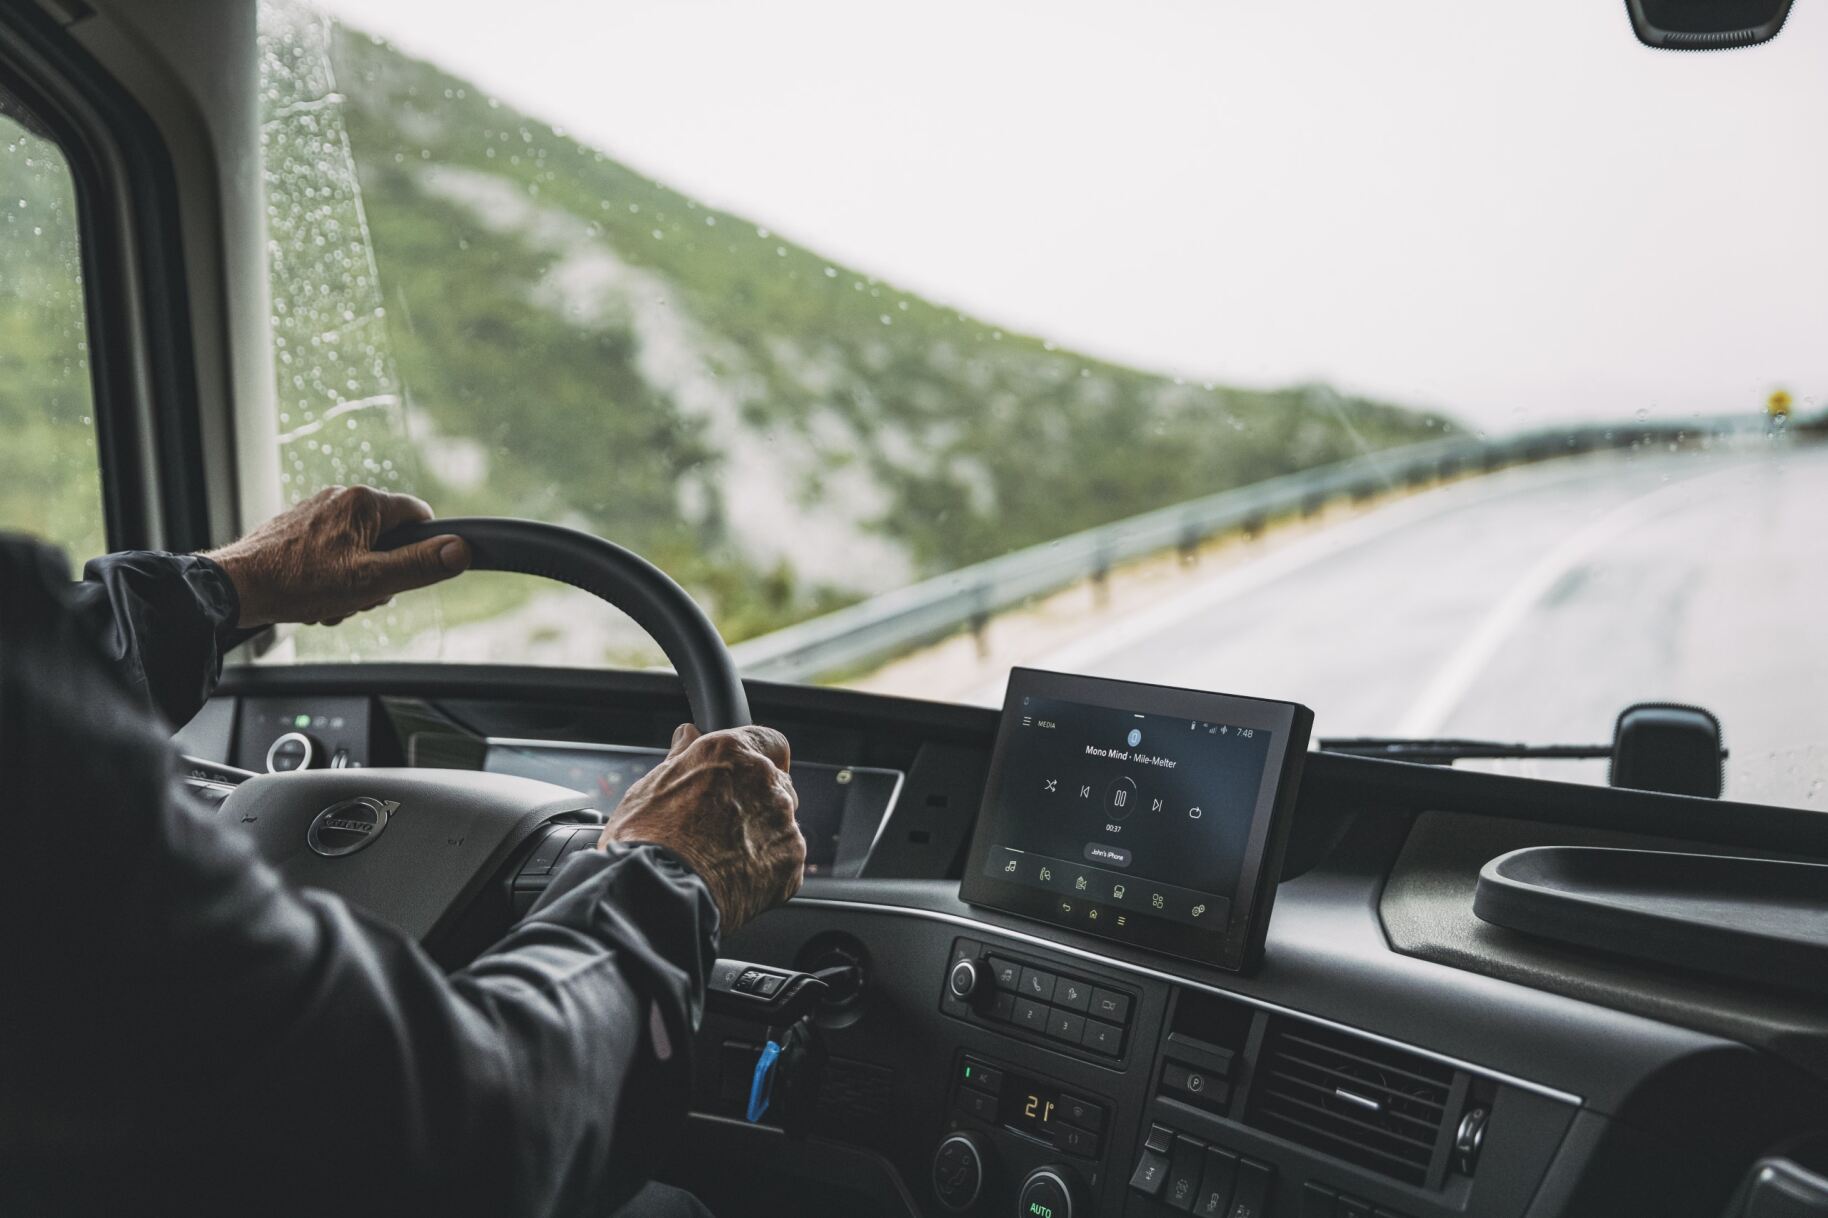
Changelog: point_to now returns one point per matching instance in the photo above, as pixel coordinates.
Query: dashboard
(842, 808)
(1384, 1054)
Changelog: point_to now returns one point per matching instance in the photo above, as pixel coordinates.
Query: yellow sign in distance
(1778, 404)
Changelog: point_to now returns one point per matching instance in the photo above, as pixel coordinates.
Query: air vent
(1355, 1099)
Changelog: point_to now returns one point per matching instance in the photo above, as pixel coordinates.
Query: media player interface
(1144, 815)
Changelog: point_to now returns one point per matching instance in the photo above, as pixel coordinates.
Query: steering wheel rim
(612, 573)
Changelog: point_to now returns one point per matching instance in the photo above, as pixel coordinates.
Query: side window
(50, 473)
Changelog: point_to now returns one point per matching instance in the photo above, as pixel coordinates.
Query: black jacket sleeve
(182, 1032)
(165, 621)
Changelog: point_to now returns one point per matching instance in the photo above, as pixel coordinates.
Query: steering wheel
(418, 847)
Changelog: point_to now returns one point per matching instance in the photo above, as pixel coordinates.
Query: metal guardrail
(924, 612)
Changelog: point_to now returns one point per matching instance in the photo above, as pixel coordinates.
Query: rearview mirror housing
(1661, 746)
(1706, 25)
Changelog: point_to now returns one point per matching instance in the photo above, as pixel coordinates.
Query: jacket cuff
(164, 620)
(222, 603)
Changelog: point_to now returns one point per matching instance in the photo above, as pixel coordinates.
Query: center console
(1082, 1090)
(1056, 1040)
(996, 1072)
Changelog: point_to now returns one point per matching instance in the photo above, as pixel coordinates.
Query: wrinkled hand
(316, 562)
(723, 802)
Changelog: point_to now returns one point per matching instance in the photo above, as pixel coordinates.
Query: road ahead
(1533, 605)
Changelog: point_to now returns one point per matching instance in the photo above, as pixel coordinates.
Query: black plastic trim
(1093, 959)
(141, 354)
(1366, 782)
(652, 689)
(1329, 781)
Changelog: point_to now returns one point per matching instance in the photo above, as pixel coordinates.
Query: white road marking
(1085, 654)
(1450, 683)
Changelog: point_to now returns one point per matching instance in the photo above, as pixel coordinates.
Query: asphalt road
(1533, 605)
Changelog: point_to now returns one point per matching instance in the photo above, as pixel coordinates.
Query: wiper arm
(1445, 752)
(1656, 746)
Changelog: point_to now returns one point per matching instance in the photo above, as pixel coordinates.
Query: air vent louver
(1368, 1103)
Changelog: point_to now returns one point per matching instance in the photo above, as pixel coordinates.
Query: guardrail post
(980, 621)
(1189, 545)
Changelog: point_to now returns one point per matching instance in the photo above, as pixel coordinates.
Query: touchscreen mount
(1141, 813)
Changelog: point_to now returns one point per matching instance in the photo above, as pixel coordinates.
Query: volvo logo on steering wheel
(346, 827)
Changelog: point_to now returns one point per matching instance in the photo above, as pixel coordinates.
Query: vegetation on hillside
(48, 481)
(623, 352)
(505, 320)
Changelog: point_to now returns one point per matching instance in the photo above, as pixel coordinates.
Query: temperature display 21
(1031, 1106)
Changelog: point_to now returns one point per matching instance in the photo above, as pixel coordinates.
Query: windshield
(1450, 375)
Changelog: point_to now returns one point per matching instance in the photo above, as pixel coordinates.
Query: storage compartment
(1758, 920)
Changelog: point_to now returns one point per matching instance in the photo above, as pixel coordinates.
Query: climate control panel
(1051, 1137)
(1041, 1109)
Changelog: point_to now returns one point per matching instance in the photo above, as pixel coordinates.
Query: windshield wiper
(1447, 751)
(1656, 746)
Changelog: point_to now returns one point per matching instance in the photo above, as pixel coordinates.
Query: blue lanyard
(761, 1087)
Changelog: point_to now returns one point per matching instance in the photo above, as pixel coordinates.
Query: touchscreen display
(1138, 812)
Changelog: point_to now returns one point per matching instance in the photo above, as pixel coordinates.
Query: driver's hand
(724, 804)
(316, 562)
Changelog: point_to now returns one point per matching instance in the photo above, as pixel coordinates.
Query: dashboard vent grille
(1368, 1103)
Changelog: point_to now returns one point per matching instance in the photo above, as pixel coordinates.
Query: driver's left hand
(316, 562)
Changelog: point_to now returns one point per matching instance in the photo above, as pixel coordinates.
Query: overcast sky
(1439, 202)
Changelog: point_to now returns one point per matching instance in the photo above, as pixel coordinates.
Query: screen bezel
(1237, 948)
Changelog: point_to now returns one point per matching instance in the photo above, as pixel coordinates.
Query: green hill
(784, 431)
(509, 321)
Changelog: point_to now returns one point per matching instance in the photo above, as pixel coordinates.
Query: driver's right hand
(723, 802)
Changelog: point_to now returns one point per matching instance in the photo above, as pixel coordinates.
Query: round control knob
(965, 980)
(292, 751)
(959, 1167)
(1049, 1192)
